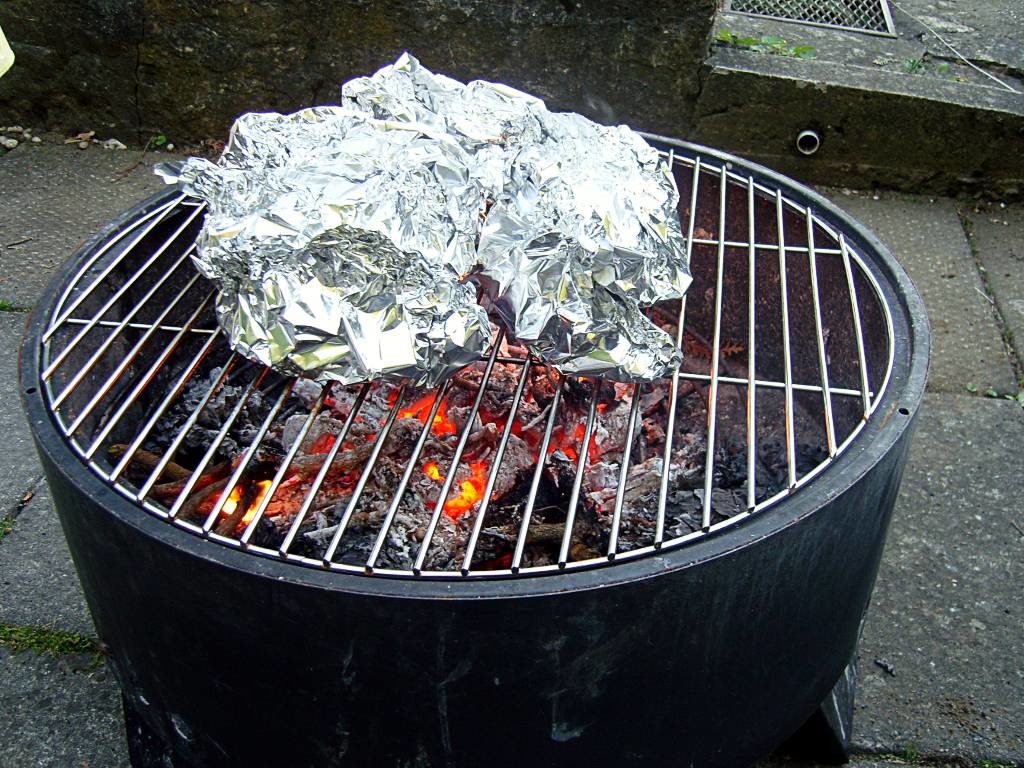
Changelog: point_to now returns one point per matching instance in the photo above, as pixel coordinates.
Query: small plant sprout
(765, 44)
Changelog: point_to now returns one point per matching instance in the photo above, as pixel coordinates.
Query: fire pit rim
(896, 410)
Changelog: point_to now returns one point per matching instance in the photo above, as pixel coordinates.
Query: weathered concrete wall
(877, 128)
(185, 68)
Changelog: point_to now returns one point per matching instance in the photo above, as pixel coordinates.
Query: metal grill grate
(135, 327)
(858, 15)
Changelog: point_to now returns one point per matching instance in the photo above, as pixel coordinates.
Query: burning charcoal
(595, 511)
(543, 384)
(578, 393)
(292, 426)
(211, 418)
(341, 401)
(529, 413)
(602, 475)
(459, 416)
(497, 396)
(321, 434)
(517, 460)
(403, 436)
(307, 391)
(378, 403)
(562, 471)
(482, 442)
(653, 431)
(610, 431)
(364, 431)
(651, 399)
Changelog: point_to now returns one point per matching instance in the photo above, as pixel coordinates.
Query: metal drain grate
(871, 16)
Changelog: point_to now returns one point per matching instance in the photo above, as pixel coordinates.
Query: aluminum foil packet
(355, 242)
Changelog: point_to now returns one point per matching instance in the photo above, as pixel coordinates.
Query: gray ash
(210, 420)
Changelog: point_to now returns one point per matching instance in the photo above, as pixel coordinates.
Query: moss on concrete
(51, 642)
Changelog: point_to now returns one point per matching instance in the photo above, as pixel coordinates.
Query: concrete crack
(1005, 333)
(8, 517)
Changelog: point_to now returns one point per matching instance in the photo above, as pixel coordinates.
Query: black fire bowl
(711, 654)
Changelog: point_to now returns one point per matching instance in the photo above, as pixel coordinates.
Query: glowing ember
(441, 425)
(262, 487)
(569, 444)
(322, 444)
(470, 491)
(231, 503)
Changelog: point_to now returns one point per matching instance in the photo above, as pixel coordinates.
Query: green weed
(765, 44)
(6, 306)
(52, 642)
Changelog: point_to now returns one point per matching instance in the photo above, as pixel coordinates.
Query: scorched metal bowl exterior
(709, 654)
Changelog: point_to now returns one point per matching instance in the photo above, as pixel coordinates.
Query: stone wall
(186, 69)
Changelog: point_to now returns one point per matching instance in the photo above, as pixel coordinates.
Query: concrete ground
(941, 677)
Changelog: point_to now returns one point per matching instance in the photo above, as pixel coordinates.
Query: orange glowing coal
(441, 424)
(322, 444)
(471, 490)
(569, 443)
(231, 503)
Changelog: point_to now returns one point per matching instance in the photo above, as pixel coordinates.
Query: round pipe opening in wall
(808, 142)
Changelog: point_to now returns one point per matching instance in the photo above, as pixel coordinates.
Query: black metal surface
(713, 662)
(708, 655)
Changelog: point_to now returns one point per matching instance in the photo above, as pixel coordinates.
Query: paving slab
(38, 583)
(56, 196)
(927, 238)
(856, 762)
(19, 467)
(998, 233)
(59, 713)
(947, 618)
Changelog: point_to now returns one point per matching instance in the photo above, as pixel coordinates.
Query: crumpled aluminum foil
(349, 242)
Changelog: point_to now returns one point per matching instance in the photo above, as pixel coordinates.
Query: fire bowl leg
(145, 748)
(825, 737)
